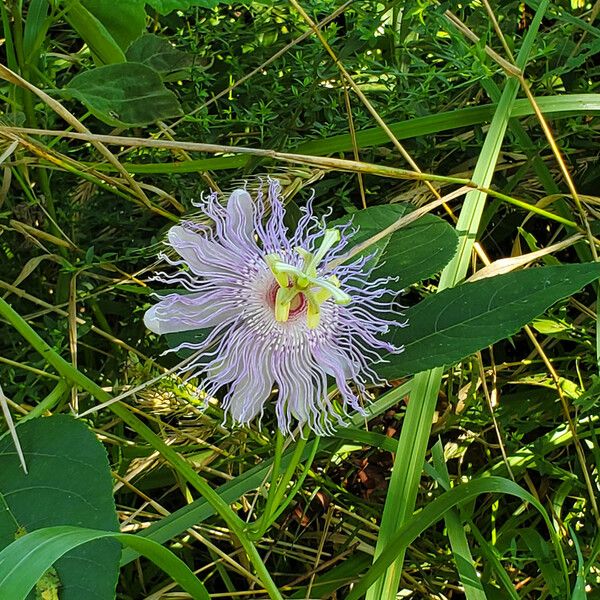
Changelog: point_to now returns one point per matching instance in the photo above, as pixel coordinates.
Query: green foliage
(158, 54)
(95, 34)
(125, 22)
(454, 323)
(27, 558)
(164, 7)
(80, 229)
(414, 252)
(124, 94)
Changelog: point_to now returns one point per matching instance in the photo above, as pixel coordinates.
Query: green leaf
(125, 21)
(26, 560)
(36, 27)
(69, 483)
(93, 33)
(124, 94)
(414, 252)
(458, 321)
(445, 121)
(164, 7)
(158, 54)
(417, 251)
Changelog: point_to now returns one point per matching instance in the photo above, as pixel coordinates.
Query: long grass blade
(414, 436)
(11, 427)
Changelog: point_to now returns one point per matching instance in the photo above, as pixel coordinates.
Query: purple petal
(178, 313)
(203, 256)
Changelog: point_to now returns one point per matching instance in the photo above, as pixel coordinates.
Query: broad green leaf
(412, 253)
(68, 483)
(164, 7)
(458, 321)
(125, 21)
(29, 557)
(417, 251)
(124, 94)
(158, 54)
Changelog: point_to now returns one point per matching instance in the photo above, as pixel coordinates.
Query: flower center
(297, 304)
(299, 288)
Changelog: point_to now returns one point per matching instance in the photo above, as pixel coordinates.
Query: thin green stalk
(278, 490)
(235, 524)
(257, 529)
(49, 402)
(412, 445)
(296, 487)
(291, 469)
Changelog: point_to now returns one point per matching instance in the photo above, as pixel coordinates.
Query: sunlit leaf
(458, 321)
(158, 54)
(124, 94)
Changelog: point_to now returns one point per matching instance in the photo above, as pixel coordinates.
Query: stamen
(331, 237)
(293, 281)
(272, 260)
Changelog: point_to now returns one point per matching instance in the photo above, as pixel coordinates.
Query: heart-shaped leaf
(124, 94)
(158, 54)
(68, 483)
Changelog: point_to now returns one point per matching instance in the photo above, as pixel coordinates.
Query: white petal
(240, 214)
(203, 256)
(250, 392)
(335, 363)
(183, 313)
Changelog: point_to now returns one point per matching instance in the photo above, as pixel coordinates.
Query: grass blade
(23, 562)
(433, 512)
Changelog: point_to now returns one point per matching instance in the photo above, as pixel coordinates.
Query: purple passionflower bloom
(282, 316)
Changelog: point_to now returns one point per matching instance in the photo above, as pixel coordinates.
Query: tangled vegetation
(469, 130)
